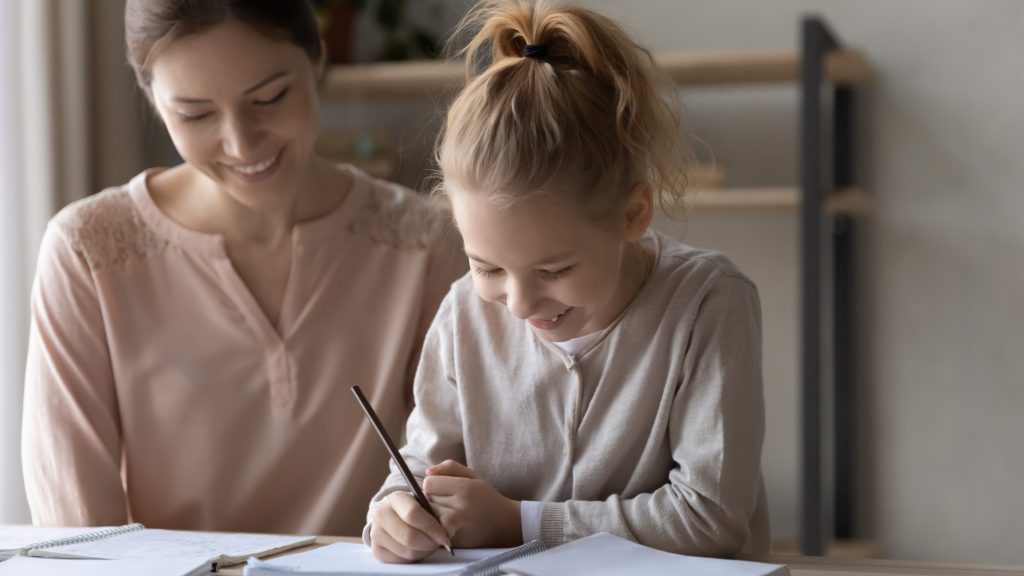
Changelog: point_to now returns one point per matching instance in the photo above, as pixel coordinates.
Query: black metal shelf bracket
(826, 246)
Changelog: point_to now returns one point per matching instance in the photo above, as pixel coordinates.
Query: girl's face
(241, 108)
(547, 262)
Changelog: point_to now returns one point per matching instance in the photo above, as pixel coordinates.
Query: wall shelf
(845, 202)
(422, 78)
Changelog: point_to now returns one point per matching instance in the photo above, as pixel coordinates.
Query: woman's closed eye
(194, 117)
(277, 98)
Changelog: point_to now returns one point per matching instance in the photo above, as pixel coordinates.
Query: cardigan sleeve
(71, 443)
(707, 504)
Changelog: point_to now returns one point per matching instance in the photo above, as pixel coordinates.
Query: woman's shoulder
(106, 228)
(397, 216)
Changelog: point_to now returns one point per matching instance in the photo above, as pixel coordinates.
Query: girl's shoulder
(392, 214)
(106, 228)
(685, 278)
(678, 262)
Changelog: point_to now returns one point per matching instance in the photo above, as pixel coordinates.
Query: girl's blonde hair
(588, 115)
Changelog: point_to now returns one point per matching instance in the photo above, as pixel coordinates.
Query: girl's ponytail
(560, 99)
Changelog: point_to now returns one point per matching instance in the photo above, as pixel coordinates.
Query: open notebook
(26, 565)
(135, 542)
(15, 540)
(353, 558)
(605, 554)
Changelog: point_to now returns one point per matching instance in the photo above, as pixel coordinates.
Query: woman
(196, 331)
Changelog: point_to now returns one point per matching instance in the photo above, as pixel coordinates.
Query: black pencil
(399, 461)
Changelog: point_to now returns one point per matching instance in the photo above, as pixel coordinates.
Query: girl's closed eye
(277, 98)
(556, 274)
(486, 273)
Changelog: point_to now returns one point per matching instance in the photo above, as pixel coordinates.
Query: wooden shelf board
(846, 67)
(845, 202)
(836, 548)
(416, 78)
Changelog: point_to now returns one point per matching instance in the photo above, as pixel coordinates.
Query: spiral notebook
(135, 542)
(356, 560)
(16, 540)
(26, 565)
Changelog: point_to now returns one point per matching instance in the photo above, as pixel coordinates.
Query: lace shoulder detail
(107, 229)
(398, 217)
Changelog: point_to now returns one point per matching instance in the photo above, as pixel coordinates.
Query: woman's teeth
(256, 168)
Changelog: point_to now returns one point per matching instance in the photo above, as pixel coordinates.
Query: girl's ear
(639, 211)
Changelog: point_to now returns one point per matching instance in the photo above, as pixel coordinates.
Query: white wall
(14, 288)
(943, 284)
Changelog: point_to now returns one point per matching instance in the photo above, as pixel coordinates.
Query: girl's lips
(549, 324)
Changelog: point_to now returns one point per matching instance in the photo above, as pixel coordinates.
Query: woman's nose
(241, 138)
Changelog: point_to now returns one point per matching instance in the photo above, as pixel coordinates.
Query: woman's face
(241, 108)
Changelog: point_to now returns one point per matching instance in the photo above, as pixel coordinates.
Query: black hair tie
(535, 51)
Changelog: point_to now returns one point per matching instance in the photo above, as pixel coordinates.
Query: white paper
(349, 557)
(604, 554)
(24, 565)
(154, 544)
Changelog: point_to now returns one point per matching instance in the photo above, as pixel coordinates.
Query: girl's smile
(550, 263)
(550, 323)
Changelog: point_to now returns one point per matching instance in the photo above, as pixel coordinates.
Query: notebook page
(604, 554)
(351, 557)
(153, 544)
(22, 565)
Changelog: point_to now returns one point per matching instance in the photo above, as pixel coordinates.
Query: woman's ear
(639, 211)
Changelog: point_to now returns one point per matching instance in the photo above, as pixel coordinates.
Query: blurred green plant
(402, 39)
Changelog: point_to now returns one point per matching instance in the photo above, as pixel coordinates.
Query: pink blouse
(158, 392)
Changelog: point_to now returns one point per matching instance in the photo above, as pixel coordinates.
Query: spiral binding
(492, 566)
(87, 537)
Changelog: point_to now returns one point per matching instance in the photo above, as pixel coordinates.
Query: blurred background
(939, 285)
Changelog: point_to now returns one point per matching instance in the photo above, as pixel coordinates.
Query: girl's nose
(521, 299)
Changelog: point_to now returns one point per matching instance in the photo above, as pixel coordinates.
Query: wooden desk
(814, 566)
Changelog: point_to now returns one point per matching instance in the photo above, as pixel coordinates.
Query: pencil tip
(449, 549)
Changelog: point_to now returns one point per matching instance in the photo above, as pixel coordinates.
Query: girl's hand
(402, 531)
(471, 509)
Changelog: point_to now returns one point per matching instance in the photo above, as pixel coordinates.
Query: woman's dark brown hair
(151, 25)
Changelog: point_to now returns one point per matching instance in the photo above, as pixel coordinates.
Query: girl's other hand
(402, 531)
(472, 510)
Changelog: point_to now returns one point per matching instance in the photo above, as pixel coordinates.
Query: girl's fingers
(451, 468)
(435, 486)
(409, 512)
(388, 549)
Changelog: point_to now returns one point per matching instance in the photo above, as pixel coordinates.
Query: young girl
(589, 374)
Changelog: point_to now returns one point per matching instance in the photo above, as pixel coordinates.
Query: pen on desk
(399, 461)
